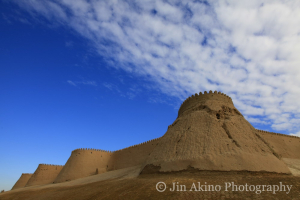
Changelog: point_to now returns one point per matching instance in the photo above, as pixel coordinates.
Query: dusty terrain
(126, 184)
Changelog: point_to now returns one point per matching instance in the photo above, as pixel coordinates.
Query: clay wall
(83, 163)
(286, 146)
(87, 162)
(201, 97)
(22, 181)
(44, 174)
(132, 156)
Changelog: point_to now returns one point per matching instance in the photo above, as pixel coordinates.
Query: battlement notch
(194, 99)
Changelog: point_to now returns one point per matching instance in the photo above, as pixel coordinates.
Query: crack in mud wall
(229, 135)
(269, 146)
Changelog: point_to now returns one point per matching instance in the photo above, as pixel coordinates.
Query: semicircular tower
(44, 174)
(211, 134)
(22, 181)
(83, 163)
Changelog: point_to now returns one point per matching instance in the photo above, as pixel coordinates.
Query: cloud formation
(296, 134)
(71, 83)
(76, 83)
(246, 49)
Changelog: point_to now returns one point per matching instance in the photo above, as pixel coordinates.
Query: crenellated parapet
(138, 145)
(202, 97)
(279, 134)
(43, 164)
(90, 149)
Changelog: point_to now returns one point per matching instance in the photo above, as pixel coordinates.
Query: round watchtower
(211, 134)
(199, 99)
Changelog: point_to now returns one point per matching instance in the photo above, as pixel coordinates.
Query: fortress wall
(22, 181)
(83, 163)
(87, 162)
(211, 134)
(202, 97)
(44, 174)
(286, 146)
(132, 156)
(200, 123)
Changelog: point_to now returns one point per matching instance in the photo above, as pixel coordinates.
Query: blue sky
(110, 74)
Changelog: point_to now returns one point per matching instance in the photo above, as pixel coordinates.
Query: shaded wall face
(44, 174)
(132, 156)
(83, 163)
(22, 181)
(285, 146)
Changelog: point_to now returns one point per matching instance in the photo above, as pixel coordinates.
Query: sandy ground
(126, 184)
(293, 165)
(131, 172)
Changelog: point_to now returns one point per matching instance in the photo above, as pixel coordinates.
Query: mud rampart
(132, 156)
(83, 163)
(286, 146)
(207, 120)
(44, 174)
(22, 181)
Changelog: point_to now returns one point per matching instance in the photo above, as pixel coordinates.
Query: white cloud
(75, 83)
(130, 93)
(256, 120)
(296, 134)
(71, 83)
(92, 83)
(247, 49)
(111, 86)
